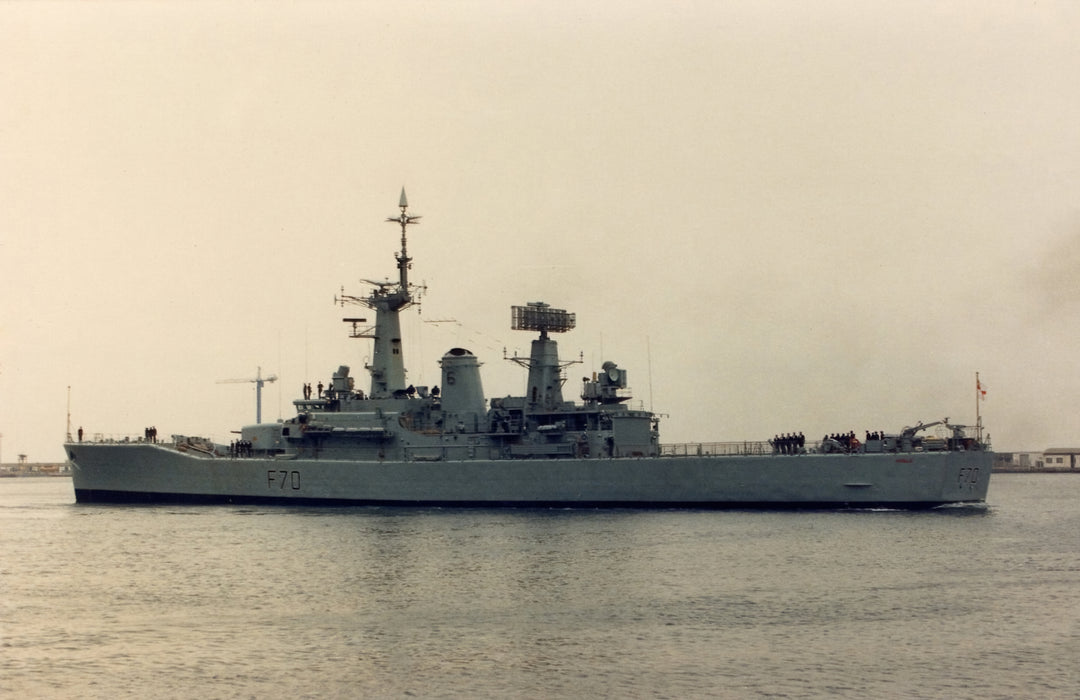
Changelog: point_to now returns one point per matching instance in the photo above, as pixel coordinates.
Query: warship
(402, 445)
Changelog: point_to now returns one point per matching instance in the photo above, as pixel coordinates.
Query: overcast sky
(777, 216)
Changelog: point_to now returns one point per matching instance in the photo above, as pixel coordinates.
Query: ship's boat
(448, 445)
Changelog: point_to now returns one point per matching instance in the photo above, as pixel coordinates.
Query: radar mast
(388, 299)
(545, 370)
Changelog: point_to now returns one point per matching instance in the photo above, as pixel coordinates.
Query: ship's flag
(981, 388)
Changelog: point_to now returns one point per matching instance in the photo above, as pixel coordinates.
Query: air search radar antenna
(538, 316)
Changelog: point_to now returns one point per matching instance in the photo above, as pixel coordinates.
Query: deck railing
(122, 439)
(718, 449)
(764, 447)
(733, 449)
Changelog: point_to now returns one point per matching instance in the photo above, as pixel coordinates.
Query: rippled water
(218, 601)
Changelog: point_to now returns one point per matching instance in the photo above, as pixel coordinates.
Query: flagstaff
(979, 395)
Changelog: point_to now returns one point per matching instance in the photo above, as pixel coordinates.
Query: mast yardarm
(404, 219)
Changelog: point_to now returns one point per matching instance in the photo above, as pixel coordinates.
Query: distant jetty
(35, 469)
(1056, 460)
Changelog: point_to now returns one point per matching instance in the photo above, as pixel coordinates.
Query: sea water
(281, 602)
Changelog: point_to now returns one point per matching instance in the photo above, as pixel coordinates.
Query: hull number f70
(968, 475)
(281, 479)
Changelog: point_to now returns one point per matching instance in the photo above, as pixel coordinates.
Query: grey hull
(159, 473)
(450, 445)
